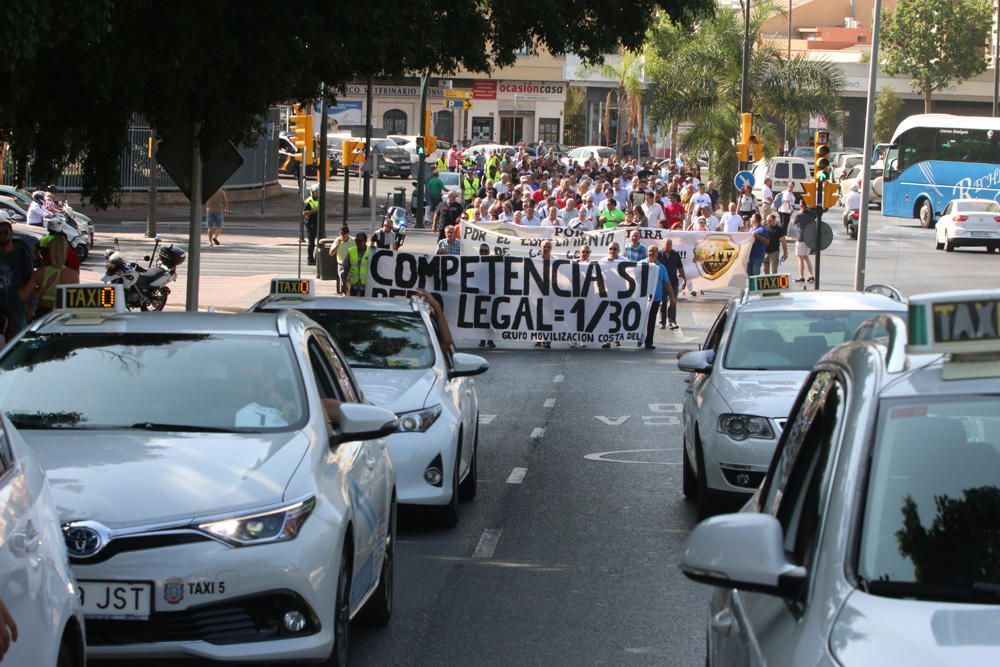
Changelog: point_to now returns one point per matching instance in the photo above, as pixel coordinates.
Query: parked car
(583, 153)
(408, 142)
(875, 192)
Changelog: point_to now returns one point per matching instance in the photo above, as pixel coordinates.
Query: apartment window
(548, 130)
(394, 121)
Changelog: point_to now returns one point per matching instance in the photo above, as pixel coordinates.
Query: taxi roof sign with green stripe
(954, 322)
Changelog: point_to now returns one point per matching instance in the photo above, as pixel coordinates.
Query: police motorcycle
(397, 215)
(851, 216)
(145, 287)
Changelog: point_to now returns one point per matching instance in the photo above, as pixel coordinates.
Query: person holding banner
(635, 251)
(674, 264)
(611, 217)
(664, 290)
(612, 258)
(546, 257)
(449, 245)
(759, 248)
(448, 213)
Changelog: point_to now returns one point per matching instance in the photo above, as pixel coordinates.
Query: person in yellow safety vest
(442, 163)
(356, 266)
(470, 186)
(492, 161)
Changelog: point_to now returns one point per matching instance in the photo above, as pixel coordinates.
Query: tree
(698, 81)
(936, 42)
(887, 108)
(223, 66)
(625, 73)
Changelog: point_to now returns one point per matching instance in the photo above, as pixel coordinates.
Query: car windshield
(978, 207)
(788, 340)
(169, 382)
(450, 178)
(379, 339)
(604, 153)
(930, 516)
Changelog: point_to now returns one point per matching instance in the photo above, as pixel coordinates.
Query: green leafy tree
(936, 42)
(887, 108)
(698, 82)
(81, 69)
(625, 72)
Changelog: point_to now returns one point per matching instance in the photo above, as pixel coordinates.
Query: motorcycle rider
(309, 215)
(37, 214)
(852, 204)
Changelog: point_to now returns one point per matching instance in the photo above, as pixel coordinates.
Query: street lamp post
(866, 165)
(745, 75)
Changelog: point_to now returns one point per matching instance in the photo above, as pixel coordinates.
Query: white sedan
(394, 348)
(36, 586)
(223, 490)
(969, 222)
(584, 153)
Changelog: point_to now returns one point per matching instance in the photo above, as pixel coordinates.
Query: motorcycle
(398, 216)
(78, 240)
(145, 287)
(850, 220)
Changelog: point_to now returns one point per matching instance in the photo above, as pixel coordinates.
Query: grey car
(873, 538)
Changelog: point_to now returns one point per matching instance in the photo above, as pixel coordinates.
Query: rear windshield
(930, 528)
(190, 382)
(978, 207)
(379, 339)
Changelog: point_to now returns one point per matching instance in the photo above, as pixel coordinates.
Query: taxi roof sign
(95, 298)
(768, 284)
(301, 287)
(954, 322)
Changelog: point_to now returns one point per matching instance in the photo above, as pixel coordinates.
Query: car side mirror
(745, 551)
(467, 365)
(364, 422)
(698, 361)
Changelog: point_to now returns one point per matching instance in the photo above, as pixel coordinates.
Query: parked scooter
(79, 241)
(145, 287)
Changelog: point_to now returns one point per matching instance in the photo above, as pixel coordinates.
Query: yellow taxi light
(776, 282)
(90, 297)
(293, 287)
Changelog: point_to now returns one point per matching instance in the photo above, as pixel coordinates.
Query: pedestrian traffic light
(301, 124)
(809, 196)
(420, 147)
(821, 152)
(831, 192)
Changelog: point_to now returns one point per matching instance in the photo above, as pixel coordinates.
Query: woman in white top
(747, 203)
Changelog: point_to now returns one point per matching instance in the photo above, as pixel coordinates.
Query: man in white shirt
(37, 215)
(598, 193)
(852, 200)
(619, 193)
(570, 211)
(731, 221)
(767, 196)
(785, 203)
(529, 217)
(652, 211)
(711, 222)
(701, 199)
(503, 186)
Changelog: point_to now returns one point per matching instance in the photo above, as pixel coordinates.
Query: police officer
(309, 213)
(356, 266)
(470, 187)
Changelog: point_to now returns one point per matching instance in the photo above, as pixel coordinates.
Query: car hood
(762, 393)
(873, 630)
(128, 478)
(395, 389)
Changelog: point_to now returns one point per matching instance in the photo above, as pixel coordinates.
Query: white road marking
(665, 407)
(616, 421)
(603, 456)
(517, 475)
(486, 419)
(660, 420)
(558, 378)
(550, 402)
(487, 543)
(537, 433)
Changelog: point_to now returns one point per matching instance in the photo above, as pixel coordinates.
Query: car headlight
(741, 427)
(279, 525)
(418, 421)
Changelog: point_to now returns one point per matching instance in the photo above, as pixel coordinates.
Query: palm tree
(626, 75)
(697, 80)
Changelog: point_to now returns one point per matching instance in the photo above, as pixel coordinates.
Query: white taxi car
(969, 223)
(394, 348)
(223, 491)
(873, 540)
(36, 585)
(747, 373)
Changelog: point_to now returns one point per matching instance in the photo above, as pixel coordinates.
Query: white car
(973, 223)
(223, 490)
(36, 585)
(393, 348)
(873, 539)
(408, 142)
(746, 375)
(584, 153)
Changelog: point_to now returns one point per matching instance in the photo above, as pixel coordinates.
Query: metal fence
(260, 163)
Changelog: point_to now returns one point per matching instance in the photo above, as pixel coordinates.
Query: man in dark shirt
(776, 244)
(448, 213)
(15, 270)
(671, 259)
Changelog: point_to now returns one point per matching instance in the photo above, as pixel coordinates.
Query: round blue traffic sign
(743, 179)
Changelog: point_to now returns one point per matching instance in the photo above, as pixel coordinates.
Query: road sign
(217, 163)
(817, 240)
(466, 104)
(743, 179)
(457, 94)
(456, 104)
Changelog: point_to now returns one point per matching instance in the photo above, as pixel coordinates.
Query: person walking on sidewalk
(339, 249)
(664, 290)
(671, 259)
(309, 212)
(799, 222)
(216, 207)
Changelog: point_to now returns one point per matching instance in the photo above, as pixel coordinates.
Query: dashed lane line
(517, 475)
(487, 543)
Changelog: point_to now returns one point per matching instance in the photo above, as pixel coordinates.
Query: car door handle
(723, 622)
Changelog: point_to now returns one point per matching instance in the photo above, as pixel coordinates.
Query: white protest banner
(520, 300)
(711, 259)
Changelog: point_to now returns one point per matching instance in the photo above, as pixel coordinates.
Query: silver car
(873, 540)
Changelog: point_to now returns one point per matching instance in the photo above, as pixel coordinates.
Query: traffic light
(430, 144)
(301, 123)
(831, 192)
(420, 147)
(352, 151)
(821, 152)
(743, 147)
(810, 193)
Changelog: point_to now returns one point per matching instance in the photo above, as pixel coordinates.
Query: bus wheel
(926, 214)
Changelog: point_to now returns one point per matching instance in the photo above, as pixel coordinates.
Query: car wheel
(991, 249)
(467, 487)
(704, 501)
(342, 613)
(949, 245)
(690, 480)
(926, 215)
(448, 515)
(67, 654)
(937, 244)
(378, 609)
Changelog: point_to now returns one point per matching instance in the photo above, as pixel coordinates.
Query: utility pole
(194, 224)
(745, 76)
(819, 227)
(323, 166)
(996, 62)
(784, 131)
(365, 202)
(866, 164)
(421, 165)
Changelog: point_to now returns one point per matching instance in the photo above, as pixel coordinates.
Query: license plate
(981, 235)
(129, 600)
